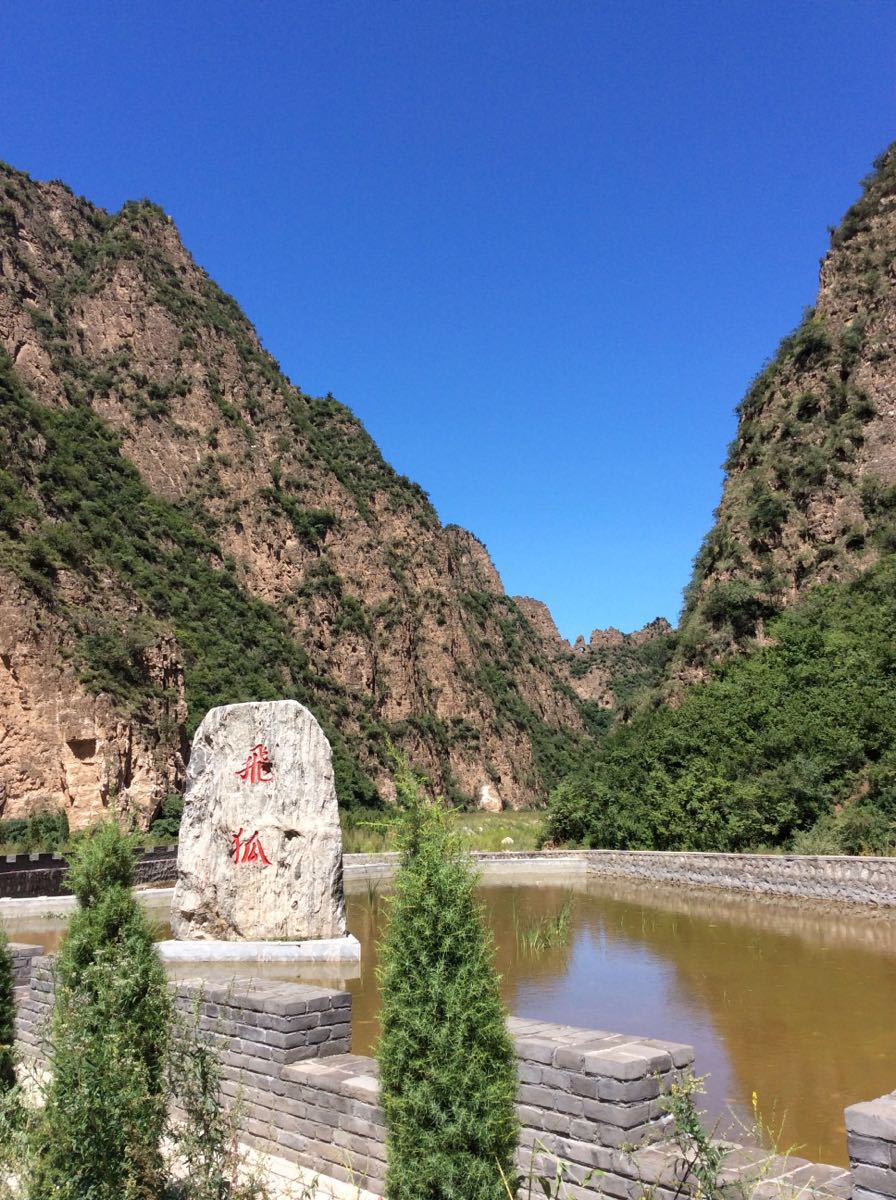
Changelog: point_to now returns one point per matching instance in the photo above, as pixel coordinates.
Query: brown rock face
(60, 746)
(181, 527)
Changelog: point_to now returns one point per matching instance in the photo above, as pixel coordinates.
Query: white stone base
(342, 949)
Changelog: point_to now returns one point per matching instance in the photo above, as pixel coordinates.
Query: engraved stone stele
(260, 852)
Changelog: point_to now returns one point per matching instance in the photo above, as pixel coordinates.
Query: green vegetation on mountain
(70, 501)
(793, 745)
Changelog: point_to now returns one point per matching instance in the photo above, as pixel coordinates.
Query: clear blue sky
(539, 248)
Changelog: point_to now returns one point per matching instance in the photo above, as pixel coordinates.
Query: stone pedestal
(260, 853)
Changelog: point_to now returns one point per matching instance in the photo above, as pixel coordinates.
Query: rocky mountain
(611, 668)
(181, 526)
(809, 494)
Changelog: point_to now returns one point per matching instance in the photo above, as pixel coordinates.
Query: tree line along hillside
(792, 745)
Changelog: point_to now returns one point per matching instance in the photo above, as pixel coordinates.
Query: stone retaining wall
(23, 957)
(871, 1138)
(587, 1098)
(840, 879)
(832, 877)
(32, 875)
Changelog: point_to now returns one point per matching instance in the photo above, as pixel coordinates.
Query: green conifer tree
(105, 1112)
(447, 1064)
(7, 1018)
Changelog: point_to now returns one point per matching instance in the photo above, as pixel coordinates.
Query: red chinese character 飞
(258, 766)
(248, 849)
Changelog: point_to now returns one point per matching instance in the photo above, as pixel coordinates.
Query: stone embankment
(828, 877)
(25, 876)
(589, 1099)
(837, 879)
(831, 878)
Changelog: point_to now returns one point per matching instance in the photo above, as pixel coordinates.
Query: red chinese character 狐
(258, 766)
(248, 849)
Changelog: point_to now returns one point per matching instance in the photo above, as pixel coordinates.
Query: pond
(796, 1003)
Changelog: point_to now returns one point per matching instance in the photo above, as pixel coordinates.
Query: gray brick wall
(22, 958)
(34, 875)
(587, 1098)
(871, 1140)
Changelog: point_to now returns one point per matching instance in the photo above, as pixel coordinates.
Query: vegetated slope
(794, 744)
(790, 615)
(808, 497)
(180, 526)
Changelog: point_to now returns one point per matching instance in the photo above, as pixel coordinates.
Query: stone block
(879, 1180)
(873, 1118)
(536, 1050)
(535, 1095)
(628, 1091)
(869, 1150)
(631, 1061)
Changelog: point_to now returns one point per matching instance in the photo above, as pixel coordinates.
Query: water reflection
(791, 1001)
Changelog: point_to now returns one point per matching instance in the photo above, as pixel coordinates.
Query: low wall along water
(830, 878)
(587, 1098)
(28, 876)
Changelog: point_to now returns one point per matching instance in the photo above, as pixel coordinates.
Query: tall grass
(371, 831)
(543, 933)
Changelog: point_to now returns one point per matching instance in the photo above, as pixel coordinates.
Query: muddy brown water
(793, 1002)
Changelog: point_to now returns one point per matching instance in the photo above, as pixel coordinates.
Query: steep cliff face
(809, 493)
(180, 526)
(609, 670)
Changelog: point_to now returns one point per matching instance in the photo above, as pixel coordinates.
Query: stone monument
(259, 864)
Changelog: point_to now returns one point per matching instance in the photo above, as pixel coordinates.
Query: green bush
(736, 603)
(766, 513)
(46, 830)
(167, 823)
(447, 1065)
(7, 1018)
(105, 1112)
(573, 812)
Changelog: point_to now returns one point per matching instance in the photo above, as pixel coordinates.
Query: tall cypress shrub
(447, 1066)
(7, 1018)
(105, 1107)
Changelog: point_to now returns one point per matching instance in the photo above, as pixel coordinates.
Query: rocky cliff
(609, 670)
(181, 526)
(809, 495)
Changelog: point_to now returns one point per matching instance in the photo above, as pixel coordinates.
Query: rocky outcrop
(260, 850)
(62, 746)
(611, 667)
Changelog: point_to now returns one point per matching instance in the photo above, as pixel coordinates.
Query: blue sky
(539, 248)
